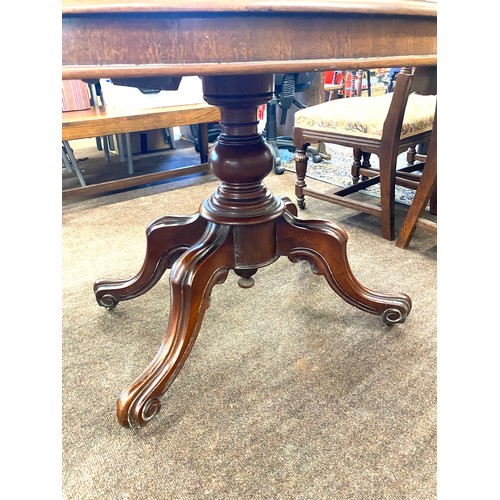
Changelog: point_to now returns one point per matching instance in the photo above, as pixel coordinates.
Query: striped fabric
(75, 95)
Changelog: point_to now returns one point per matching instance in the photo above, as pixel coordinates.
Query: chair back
(423, 80)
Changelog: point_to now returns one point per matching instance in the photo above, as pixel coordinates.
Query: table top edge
(381, 7)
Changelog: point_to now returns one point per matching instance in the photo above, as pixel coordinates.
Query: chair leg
(203, 141)
(365, 163)
(300, 170)
(387, 189)
(105, 146)
(130, 161)
(121, 147)
(65, 160)
(433, 202)
(427, 188)
(410, 155)
(356, 165)
(74, 163)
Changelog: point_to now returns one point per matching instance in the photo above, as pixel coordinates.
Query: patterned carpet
(337, 171)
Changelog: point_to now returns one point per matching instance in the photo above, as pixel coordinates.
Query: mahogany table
(235, 46)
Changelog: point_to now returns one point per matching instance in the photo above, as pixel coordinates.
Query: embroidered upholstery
(364, 116)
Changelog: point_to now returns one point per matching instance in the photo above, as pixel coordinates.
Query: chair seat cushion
(365, 116)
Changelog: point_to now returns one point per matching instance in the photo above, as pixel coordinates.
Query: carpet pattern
(337, 171)
(289, 393)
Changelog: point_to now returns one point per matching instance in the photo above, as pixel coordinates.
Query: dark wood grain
(243, 37)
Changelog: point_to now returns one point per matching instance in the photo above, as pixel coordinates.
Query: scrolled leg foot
(392, 316)
(324, 246)
(106, 300)
(193, 276)
(150, 409)
(167, 238)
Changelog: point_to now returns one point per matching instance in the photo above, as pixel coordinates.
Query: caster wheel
(392, 316)
(107, 301)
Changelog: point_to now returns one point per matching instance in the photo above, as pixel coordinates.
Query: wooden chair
(426, 192)
(385, 125)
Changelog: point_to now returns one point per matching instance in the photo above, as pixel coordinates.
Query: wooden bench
(104, 120)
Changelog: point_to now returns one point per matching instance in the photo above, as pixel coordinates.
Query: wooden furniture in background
(387, 140)
(336, 87)
(346, 84)
(426, 190)
(236, 46)
(106, 121)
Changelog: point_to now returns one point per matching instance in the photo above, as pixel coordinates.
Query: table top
(153, 38)
(412, 7)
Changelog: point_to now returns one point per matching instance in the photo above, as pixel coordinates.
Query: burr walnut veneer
(236, 47)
